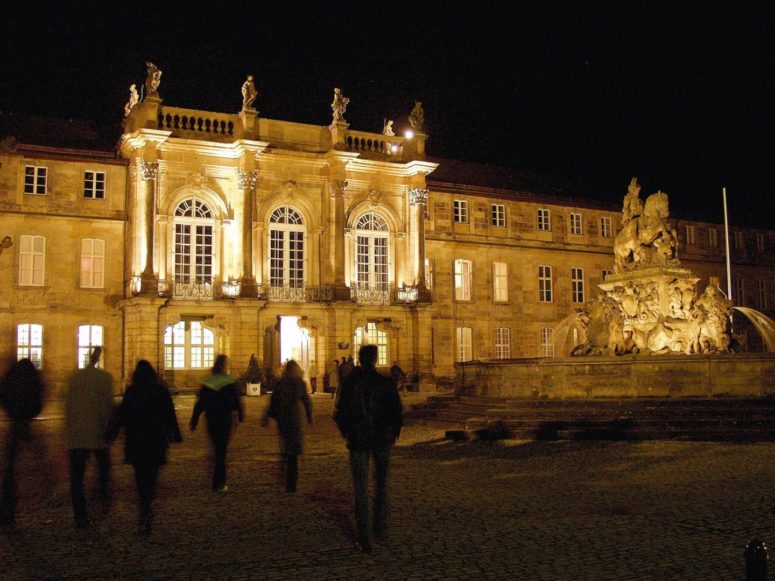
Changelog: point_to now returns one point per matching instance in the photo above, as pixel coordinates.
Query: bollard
(756, 561)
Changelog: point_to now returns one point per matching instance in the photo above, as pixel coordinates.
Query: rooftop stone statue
(339, 106)
(152, 80)
(249, 93)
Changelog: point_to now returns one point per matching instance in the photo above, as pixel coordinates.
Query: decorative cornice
(418, 197)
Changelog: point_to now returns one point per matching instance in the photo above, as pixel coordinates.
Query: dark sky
(681, 97)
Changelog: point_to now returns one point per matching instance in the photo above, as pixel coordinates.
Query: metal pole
(726, 244)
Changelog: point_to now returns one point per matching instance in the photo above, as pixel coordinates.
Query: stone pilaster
(247, 181)
(149, 171)
(336, 190)
(418, 198)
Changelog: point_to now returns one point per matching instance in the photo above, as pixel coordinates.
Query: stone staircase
(730, 419)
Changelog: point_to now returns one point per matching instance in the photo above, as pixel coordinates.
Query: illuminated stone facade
(209, 232)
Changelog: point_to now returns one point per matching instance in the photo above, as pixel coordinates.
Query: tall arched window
(286, 248)
(371, 253)
(193, 253)
(188, 346)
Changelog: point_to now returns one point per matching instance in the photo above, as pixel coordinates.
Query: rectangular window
(547, 342)
(89, 337)
(35, 180)
(463, 344)
(577, 284)
(544, 220)
(761, 294)
(498, 215)
(713, 237)
(32, 260)
(500, 288)
(92, 263)
(575, 224)
(740, 292)
(545, 283)
(738, 238)
(759, 242)
(690, 239)
(29, 343)
(502, 343)
(606, 229)
(429, 274)
(463, 280)
(460, 211)
(94, 185)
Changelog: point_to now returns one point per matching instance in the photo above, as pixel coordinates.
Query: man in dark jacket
(218, 399)
(369, 415)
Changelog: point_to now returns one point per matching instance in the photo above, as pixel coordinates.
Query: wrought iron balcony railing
(368, 295)
(296, 294)
(193, 291)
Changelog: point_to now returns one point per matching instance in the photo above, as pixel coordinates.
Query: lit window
(29, 343)
(35, 180)
(193, 249)
(188, 346)
(460, 211)
(577, 284)
(371, 335)
(32, 260)
(286, 248)
(759, 242)
(606, 229)
(463, 344)
(690, 235)
(463, 269)
(545, 283)
(547, 342)
(500, 288)
(498, 215)
(740, 292)
(575, 224)
(89, 337)
(761, 293)
(713, 237)
(502, 343)
(371, 253)
(94, 185)
(92, 263)
(544, 220)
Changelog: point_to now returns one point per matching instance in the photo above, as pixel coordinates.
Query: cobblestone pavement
(478, 510)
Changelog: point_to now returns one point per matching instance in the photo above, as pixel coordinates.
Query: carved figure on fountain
(714, 329)
(646, 240)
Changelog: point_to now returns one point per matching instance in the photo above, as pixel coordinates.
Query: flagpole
(726, 243)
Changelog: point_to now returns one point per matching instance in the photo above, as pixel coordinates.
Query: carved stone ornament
(337, 188)
(418, 197)
(149, 170)
(249, 93)
(197, 179)
(339, 105)
(247, 179)
(152, 80)
(417, 116)
(374, 197)
(134, 98)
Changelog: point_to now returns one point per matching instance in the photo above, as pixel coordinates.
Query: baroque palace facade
(208, 233)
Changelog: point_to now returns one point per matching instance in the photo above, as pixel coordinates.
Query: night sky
(681, 97)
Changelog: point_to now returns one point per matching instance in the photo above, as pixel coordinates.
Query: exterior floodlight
(408, 133)
(394, 148)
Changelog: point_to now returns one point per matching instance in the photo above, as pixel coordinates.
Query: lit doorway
(294, 342)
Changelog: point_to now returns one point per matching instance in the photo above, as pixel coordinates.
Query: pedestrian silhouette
(88, 409)
(369, 416)
(21, 396)
(289, 393)
(148, 416)
(219, 399)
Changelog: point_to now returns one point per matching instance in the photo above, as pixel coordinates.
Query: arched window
(371, 253)
(188, 346)
(286, 248)
(371, 335)
(193, 249)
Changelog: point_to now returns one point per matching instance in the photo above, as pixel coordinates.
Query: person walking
(289, 393)
(88, 409)
(333, 379)
(148, 416)
(21, 396)
(219, 399)
(369, 416)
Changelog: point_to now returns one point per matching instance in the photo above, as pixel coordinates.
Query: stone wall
(735, 374)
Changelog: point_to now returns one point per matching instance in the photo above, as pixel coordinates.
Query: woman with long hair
(288, 394)
(148, 416)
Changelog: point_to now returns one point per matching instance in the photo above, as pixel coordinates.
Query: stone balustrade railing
(374, 142)
(181, 120)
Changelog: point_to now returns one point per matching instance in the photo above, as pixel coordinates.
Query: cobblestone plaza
(472, 510)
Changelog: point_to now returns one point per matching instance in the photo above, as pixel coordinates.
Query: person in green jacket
(219, 399)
